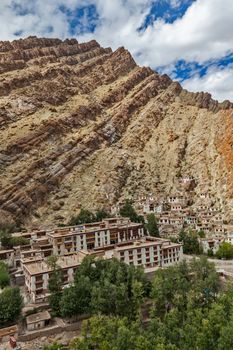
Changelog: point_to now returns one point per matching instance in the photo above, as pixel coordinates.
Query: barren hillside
(83, 125)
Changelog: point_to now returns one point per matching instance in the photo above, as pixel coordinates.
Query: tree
(190, 242)
(152, 226)
(105, 286)
(8, 242)
(225, 251)
(201, 234)
(5, 238)
(106, 333)
(76, 299)
(101, 214)
(84, 217)
(10, 305)
(189, 309)
(128, 211)
(196, 285)
(4, 275)
(55, 285)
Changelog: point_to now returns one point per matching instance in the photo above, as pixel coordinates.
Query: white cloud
(204, 32)
(218, 81)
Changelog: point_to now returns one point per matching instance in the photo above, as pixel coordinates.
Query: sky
(190, 40)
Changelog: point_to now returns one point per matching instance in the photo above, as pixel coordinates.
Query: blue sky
(190, 40)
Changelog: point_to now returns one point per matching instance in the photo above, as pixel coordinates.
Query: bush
(85, 217)
(225, 251)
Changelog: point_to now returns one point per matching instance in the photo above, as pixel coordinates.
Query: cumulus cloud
(217, 80)
(202, 34)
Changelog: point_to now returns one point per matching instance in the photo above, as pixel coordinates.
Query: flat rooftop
(70, 231)
(40, 316)
(6, 251)
(140, 243)
(148, 242)
(64, 262)
(31, 259)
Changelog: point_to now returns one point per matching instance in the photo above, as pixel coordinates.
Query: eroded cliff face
(82, 125)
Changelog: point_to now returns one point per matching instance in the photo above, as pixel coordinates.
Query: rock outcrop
(81, 125)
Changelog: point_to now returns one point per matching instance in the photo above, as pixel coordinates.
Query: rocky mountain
(82, 125)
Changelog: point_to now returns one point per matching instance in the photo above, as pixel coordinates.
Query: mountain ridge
(83, 125)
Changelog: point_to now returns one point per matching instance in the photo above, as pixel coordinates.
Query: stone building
(38, 320)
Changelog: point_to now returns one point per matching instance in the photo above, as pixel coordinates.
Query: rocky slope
(83, 125)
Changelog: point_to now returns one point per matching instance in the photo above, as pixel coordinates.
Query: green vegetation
(225, 251)
(103, 332)
(101, 286)
(8, 242)
(201, 234)
(210, 253)
(4, 275)
(152, 226)
(85, 216)
(55, 286)
(190, 242)
(188, 310)
(10, 305)
(129, 212)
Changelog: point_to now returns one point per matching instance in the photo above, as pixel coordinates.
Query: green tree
(105, 286)
(190, 242)
(152, 226)
(189, 309)
(101, 214)
(10, 305)
(225, 251)
(128, 211)
(55, 285)
(201, 234)
(106, 333)
(8, 242)
(76, 299)
(5, 238)
(84, 217)
(4, 275)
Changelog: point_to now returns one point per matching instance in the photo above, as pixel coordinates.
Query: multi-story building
(149, 252)
(37, 274)
(229, 237)
(177, 199)
(211, 244)
(89, 236)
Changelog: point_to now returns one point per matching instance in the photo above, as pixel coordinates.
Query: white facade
(150, 253)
